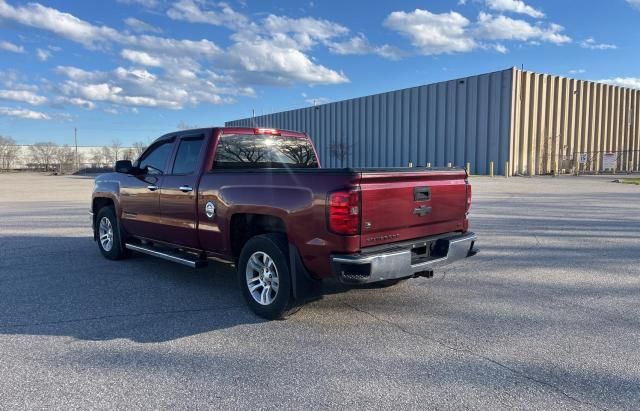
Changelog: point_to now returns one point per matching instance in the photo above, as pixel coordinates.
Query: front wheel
(264, 275)
(107, 230)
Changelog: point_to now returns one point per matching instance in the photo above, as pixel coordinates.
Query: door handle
(152, 187)
(185, 189)
(422, 193)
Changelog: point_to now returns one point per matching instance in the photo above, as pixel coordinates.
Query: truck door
(140, 193)
(178, 194)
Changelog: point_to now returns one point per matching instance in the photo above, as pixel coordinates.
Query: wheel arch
(243, 226)
(98, 203)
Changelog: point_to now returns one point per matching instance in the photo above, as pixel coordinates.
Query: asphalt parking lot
(546, 316)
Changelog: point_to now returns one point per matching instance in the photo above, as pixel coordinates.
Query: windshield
(264, 151)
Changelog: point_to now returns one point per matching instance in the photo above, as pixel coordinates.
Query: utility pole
(75, 139)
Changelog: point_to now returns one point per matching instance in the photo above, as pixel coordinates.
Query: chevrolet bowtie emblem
(422, 211)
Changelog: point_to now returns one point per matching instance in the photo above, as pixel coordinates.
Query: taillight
(468, 197)
(343, 212)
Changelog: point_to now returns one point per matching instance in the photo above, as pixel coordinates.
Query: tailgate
(403, 205)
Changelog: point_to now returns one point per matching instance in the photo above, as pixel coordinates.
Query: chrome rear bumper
(403, 261)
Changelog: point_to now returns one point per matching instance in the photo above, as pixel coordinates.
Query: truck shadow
(63, 286)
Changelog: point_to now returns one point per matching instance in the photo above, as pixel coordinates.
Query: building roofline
(576, 79)
(374, 94)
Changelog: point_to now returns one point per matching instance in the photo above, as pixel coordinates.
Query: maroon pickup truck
(257, 198)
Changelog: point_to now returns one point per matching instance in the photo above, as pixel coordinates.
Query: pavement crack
(472, 353)
(106, 317)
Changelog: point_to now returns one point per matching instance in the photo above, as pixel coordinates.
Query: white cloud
(142, 58)
(634, 3)
(89, 105)
(191, 11)
(630, 82)
(451, 32)
(140, 88)
(514, 6)
(23, 96)
(149, 4)
(23, 113)
(500, 48)
(198, 49)
(8, 46)
(433, 33)
(62, 24)
(577, 71)
(591, 43)
(72, 28)
(305, 32)
(140, 26)
(263, 62)
(360, 45)
(43, 55)
(270, 45)
(505, 28)
(281, 32)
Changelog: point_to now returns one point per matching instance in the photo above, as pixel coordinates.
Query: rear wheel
(108, 234)
(264, 275)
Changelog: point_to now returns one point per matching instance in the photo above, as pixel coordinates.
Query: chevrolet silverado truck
(258, 199)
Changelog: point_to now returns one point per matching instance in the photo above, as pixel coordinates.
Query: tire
(264, 276)
(108, 234)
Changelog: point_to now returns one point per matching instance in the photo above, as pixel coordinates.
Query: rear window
(264, 151)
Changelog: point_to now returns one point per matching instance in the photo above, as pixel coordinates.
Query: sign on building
(609, 161)
(584, 158)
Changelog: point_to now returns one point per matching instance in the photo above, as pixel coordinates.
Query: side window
(187, 155)
(156, 159)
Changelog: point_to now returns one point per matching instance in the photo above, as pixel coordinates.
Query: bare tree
(182, 125)
(116, 146)
(128, 154)
(8, 152)
(301, 154)
(139, 147)
(108, 155)
(97, 157)
(240, 149)
(65, 157)
(340, 151)
(43, 154)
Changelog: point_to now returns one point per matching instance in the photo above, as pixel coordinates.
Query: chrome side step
(167, 255)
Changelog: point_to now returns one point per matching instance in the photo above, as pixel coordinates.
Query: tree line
(49, 156)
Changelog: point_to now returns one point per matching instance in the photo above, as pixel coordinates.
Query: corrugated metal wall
(555, 119)
(457, 121)
(540, 123)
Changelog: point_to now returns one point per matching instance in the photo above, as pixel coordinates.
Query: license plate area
(427, 251)
(421, 252)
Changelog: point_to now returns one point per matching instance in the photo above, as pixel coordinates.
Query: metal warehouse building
(522, 122)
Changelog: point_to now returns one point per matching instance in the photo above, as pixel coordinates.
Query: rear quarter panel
(298, 199)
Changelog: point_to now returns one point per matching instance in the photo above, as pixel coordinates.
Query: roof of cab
(230, 130)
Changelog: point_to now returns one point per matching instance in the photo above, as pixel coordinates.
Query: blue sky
(132, 70)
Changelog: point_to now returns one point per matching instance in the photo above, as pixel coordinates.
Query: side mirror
(123, 166)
